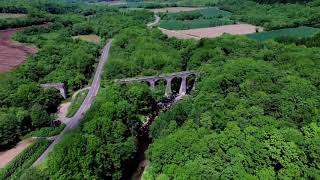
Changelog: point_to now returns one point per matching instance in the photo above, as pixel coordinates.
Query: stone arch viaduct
(167, 77)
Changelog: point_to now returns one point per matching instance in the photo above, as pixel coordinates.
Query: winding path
(156, 21)
(76, 119)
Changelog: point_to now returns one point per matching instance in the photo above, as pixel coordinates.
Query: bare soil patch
(8, 155)
(12, 54)
(235, 29)
(62, 112)
(174, 9)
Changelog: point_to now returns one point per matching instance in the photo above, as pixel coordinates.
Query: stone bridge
(167, 77)
(58, 86)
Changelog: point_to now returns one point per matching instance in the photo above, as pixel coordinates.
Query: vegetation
(24, 105)
(170, 3)
(193, 24)
(254, 114)
(76, 103)
(105, 142)
(10, 15)
(300, 32)
(306, 41)
(202, 18)
(273, 16)
(89, 38)
(24, 160)
(262, 119)
(46, 132)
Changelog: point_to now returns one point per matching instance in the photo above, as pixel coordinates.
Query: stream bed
(144, 139)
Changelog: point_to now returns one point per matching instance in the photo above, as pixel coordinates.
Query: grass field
(9, 15)
(299, 32)
(89, 38)
(200, 18)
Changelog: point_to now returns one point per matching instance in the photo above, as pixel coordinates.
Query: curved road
(156, 21)
(75, 120)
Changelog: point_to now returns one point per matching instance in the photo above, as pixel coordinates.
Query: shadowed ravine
(141, 162)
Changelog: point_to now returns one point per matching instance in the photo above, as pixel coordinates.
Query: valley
(179, 89)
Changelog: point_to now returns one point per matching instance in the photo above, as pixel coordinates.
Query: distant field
(235, 29)
(89, 38)
(299, 32)
(174, 9)
(212, 12)
(199, 18)
(9, 15)
(193, 24)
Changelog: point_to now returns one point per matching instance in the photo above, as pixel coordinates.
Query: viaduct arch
(167, 77)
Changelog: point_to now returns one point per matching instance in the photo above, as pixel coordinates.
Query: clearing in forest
(236, 29)
(89, 38)
(11, 15)
(10, 154)
(12, 54)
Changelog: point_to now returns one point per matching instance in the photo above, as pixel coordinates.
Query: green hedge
(24, 160)
(45, 132)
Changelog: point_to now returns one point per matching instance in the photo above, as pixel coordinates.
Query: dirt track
(8, 155)
(12, 54)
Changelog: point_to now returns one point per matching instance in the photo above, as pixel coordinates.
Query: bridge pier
(152, 83)
(167, 77)
(183, 86)
(168, 86)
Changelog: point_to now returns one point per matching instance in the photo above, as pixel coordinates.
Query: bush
(45, 132)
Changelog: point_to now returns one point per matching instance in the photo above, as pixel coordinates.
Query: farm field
(194, 24)
(12, 54)
(11, 15)
(237, 29)
(299, 32)
(200, 18)
(89, 38)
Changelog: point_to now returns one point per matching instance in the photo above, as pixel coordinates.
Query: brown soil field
(174, 9)
(235, 29)
(8, 155)
(12, 54)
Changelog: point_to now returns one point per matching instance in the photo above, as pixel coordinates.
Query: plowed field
(12, 54)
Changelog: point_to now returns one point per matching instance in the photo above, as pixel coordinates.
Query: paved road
(75, 120)
(156, 21)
